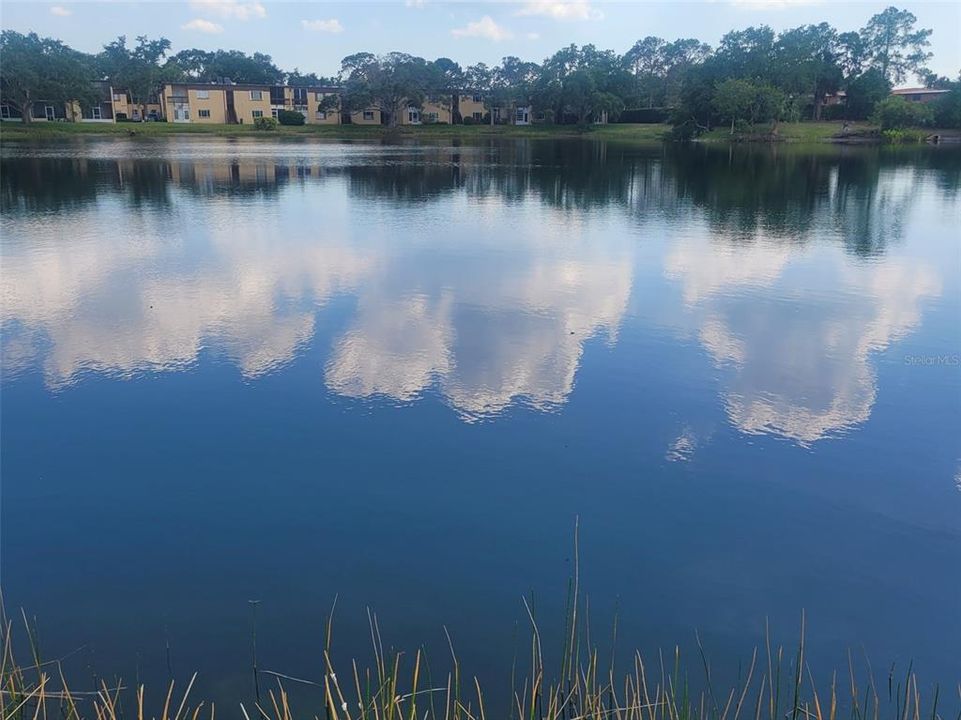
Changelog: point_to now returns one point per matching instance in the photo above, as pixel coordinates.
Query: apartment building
(429, 112)
(238, 104)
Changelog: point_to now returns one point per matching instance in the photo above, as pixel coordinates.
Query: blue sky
(314, 36)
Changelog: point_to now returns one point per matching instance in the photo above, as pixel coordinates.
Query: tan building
(921, 95)
(370, 116)
(125, 109)
(243, 103)
(471, 106)
(215, 104)
(429, 113)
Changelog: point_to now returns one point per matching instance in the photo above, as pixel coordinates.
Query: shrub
(896, 113)
(290, 117)
(947, 110)
(904, 136)
(265, 123)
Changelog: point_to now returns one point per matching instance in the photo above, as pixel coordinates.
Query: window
(203, 94)
(5, 112)
(432, 117)
(478, 116)
(203, 113)
(256, 95)
(258, 113)
(300, 96)
(49, 112)
(117, 97)
(321, 115)
(96, 113)
(274, 113)
(368, 114)
(478, 98)
(413, 115)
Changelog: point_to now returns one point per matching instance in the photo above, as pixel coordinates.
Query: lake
(398, 375)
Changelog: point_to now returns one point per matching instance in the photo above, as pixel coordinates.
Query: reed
(777, 685)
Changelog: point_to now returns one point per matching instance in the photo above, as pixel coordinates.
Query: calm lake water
(286, 372)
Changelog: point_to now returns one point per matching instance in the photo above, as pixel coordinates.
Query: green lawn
(799, 132)
(43, 130)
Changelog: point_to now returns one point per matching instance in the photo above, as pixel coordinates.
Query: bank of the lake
(45, 130)
(800, 132)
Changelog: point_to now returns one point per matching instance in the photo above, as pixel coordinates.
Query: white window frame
(274, 113)
(203, 94)
(5, 112)
(117, 97)
(413, 116)
(368, 115)
(96, 113)
(50, 112)
(321, 115)
(256, 114)
(256, 94)
(478, 116)
(201, 111)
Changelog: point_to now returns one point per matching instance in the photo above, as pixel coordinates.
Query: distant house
(244, 103)
(921, 95)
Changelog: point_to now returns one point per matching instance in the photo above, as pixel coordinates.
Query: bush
(265, 123)
(290, 117)
(896, 113)
(902, 137)
(947, 110)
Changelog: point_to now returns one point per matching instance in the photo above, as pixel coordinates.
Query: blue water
(397, 375)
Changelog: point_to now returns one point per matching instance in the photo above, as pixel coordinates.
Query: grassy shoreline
(803, 133)
(56, 131)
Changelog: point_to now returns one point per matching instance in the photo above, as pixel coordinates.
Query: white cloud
(230, 9)
(533, 36)
(483, 28)
(562, 9)
(328, 26)
(60, 11)
(204, 26)
(415, 3)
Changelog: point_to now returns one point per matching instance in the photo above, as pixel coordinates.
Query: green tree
(36, 68)
(391, 82)
(222, 65)
(137, 69)
(647, 61)
(894, 46)
(807, 63)
(743, 101)
(864, 92)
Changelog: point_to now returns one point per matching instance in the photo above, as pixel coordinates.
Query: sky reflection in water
(740, 367)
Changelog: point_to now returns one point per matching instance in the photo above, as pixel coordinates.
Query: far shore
(797, 133)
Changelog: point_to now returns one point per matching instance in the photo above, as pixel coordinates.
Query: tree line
(753, 75)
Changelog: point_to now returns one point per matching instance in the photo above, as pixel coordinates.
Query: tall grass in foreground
(777, 685)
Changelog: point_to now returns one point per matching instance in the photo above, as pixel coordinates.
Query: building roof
(919, 91)
(250, 86)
